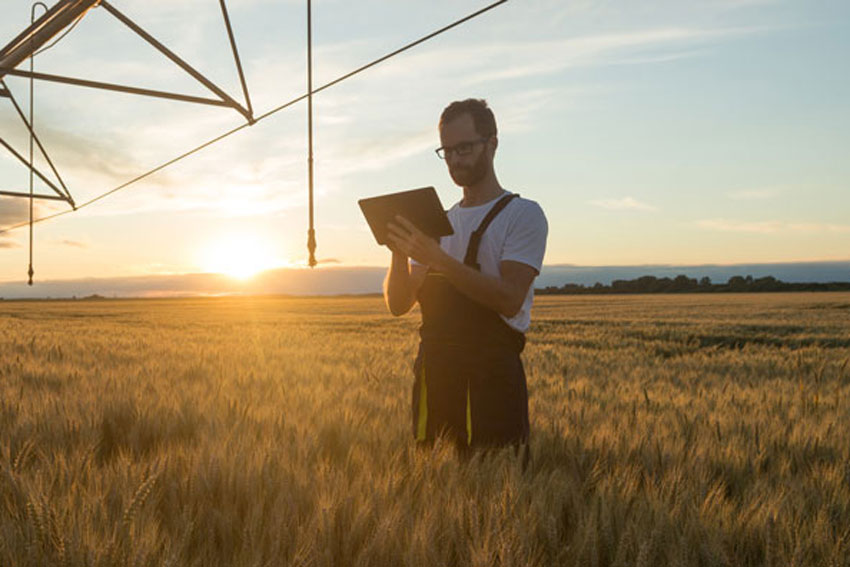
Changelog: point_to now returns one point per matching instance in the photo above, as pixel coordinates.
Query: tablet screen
(421, 207)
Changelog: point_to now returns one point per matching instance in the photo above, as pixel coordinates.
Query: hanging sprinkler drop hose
(31, 271)
(311, 232)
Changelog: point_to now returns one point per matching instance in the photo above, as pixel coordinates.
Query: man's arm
(402, 284)
(504, 294)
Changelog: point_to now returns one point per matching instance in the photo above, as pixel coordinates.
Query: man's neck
(481, 193)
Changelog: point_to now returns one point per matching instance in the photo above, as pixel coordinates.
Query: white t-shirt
(518, 233)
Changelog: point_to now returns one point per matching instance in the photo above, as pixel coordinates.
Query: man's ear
(495, 142)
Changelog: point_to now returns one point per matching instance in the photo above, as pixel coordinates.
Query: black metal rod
(35, 196)
(23, 160)
(34, 136)
(42, 30)
(238, 61)
(311, 231)
(117, 88)
(29, 34)
(177, 60)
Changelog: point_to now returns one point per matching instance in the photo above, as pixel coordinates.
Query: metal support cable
(264, 116)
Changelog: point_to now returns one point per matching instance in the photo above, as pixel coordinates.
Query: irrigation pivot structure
(66, 14)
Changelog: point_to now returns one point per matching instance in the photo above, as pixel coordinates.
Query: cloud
(13, 210)
(522, 109)
(558, 14)
(522, 59)
(771, 227)
(819, 227)
(73, 243)
(259, 177)
(751, 195)
(82, 160)
(622, 204)
(723, 225)
(6, 242)
(660, 58)
(372, 153)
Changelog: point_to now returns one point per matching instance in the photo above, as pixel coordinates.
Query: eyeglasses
(461, 149)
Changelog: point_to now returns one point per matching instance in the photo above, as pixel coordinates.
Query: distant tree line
(684, 284)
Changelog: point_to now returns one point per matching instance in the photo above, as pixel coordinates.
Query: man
(475, 292)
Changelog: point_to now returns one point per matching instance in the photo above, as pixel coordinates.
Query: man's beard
(468, 176)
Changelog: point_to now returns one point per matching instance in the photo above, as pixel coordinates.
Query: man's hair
(482, 116)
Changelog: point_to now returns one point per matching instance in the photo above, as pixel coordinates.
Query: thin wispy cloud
(758, 227)
(523, 109)
(14, 210)
(377, 153)
(256, 181)
(73, 243)
(522, 59)
(751, 194)
(84, 162)
(820, 227)
(559, 13)
(771, 227)
(219, 199)
(525, 58)
(622, 204)
(659, 58)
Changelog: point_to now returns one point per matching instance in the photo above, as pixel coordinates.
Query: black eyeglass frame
(443, 152)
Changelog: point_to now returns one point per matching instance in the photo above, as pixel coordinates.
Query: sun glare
(238, 255)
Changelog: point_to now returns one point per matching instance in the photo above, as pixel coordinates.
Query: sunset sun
(238, 255)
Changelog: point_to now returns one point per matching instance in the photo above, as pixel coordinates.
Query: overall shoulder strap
(471, 258)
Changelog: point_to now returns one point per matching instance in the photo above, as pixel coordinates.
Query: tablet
(422, 207)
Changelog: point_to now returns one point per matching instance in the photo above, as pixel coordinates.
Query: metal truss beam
(42, 30)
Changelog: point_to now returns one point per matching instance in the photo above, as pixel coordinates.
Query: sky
(660, 132)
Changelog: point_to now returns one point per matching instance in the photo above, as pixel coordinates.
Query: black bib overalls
(469, 381)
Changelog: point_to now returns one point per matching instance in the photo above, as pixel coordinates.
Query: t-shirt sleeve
(525, 240)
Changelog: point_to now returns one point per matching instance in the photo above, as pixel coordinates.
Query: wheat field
(666, 430)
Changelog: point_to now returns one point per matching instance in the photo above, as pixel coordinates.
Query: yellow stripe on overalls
(422, 424)
(468, 417)
(422, 421)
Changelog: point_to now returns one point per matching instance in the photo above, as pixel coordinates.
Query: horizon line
(339, 266)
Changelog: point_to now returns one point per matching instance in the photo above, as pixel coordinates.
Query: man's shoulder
(518, 209)
(524, 208)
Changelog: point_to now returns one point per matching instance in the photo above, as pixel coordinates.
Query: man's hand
(504, 294)
(403, 280)
(408, 240)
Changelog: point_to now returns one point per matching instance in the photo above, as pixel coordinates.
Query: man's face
(466, 170)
